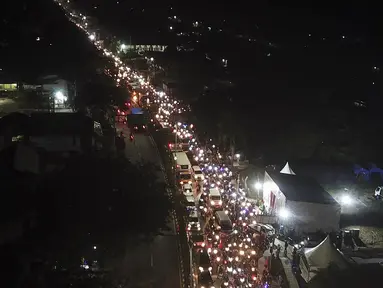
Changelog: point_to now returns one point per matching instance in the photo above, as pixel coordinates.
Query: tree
(109, 204)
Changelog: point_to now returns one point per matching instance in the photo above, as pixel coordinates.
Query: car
(198, 175)
(190, 203)
(264, 228)
(205, 280)
(193, 223)
(197, 240)
(202, 260)
(193, 217)
(187, 189)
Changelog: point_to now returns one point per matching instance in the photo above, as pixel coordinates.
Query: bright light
(123, 46)
(134, 98)
(237, 156)
(258, 186)
(60, 97)
(346, 200)
(284, 213)
(92, 37)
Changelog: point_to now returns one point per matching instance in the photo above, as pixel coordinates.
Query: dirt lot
(371, 236)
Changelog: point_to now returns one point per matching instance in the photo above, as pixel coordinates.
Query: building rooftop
(302, 189)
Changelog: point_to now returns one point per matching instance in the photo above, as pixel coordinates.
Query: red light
(118, 111)
(122, 113)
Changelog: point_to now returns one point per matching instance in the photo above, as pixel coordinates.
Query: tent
(319, 258)
(287, 170)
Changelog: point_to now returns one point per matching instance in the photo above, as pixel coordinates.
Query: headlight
(181, 182)
(220, 202)
(195, 177)
(210, 268)
(200, 269)
(190, 182)
(212, 202)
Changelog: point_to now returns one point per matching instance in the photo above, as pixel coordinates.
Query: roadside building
(300, 202)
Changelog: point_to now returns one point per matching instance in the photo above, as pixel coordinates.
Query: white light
(346, 200)
(284, 213)
(258, 186)
(59, 96)
(92, 37)
(123, 46)
(237, 156)
(94, 247)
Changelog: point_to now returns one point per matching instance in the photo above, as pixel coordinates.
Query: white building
(300, 202)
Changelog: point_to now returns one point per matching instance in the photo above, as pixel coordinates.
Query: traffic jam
(225, 240)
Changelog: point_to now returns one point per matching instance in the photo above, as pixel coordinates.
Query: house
(300, 202)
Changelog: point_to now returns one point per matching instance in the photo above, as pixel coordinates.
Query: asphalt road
(156, 265)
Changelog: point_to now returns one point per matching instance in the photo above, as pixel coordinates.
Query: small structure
(300, 203)
(319, 258)
(287, 169)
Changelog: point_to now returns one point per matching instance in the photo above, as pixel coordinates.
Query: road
(156, 266)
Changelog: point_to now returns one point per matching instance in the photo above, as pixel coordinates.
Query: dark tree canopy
(101, 202)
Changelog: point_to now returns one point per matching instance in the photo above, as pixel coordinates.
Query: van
(223, 221)
(182, 161)
(197, 172)
(215, 200)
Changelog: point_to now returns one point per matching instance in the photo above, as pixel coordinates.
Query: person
(278, 251)
(286, 245)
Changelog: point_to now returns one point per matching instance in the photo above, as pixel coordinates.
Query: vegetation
(96, 210)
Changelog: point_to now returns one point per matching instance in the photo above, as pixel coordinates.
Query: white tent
(287, 170)
(319, 258)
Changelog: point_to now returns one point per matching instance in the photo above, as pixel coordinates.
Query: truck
(137, 121)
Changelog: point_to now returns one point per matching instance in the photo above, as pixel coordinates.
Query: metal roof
(301, 189)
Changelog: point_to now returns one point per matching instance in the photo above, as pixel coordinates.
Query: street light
(284, 214)
(60, 97)
(92, 37)
(258, 186)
